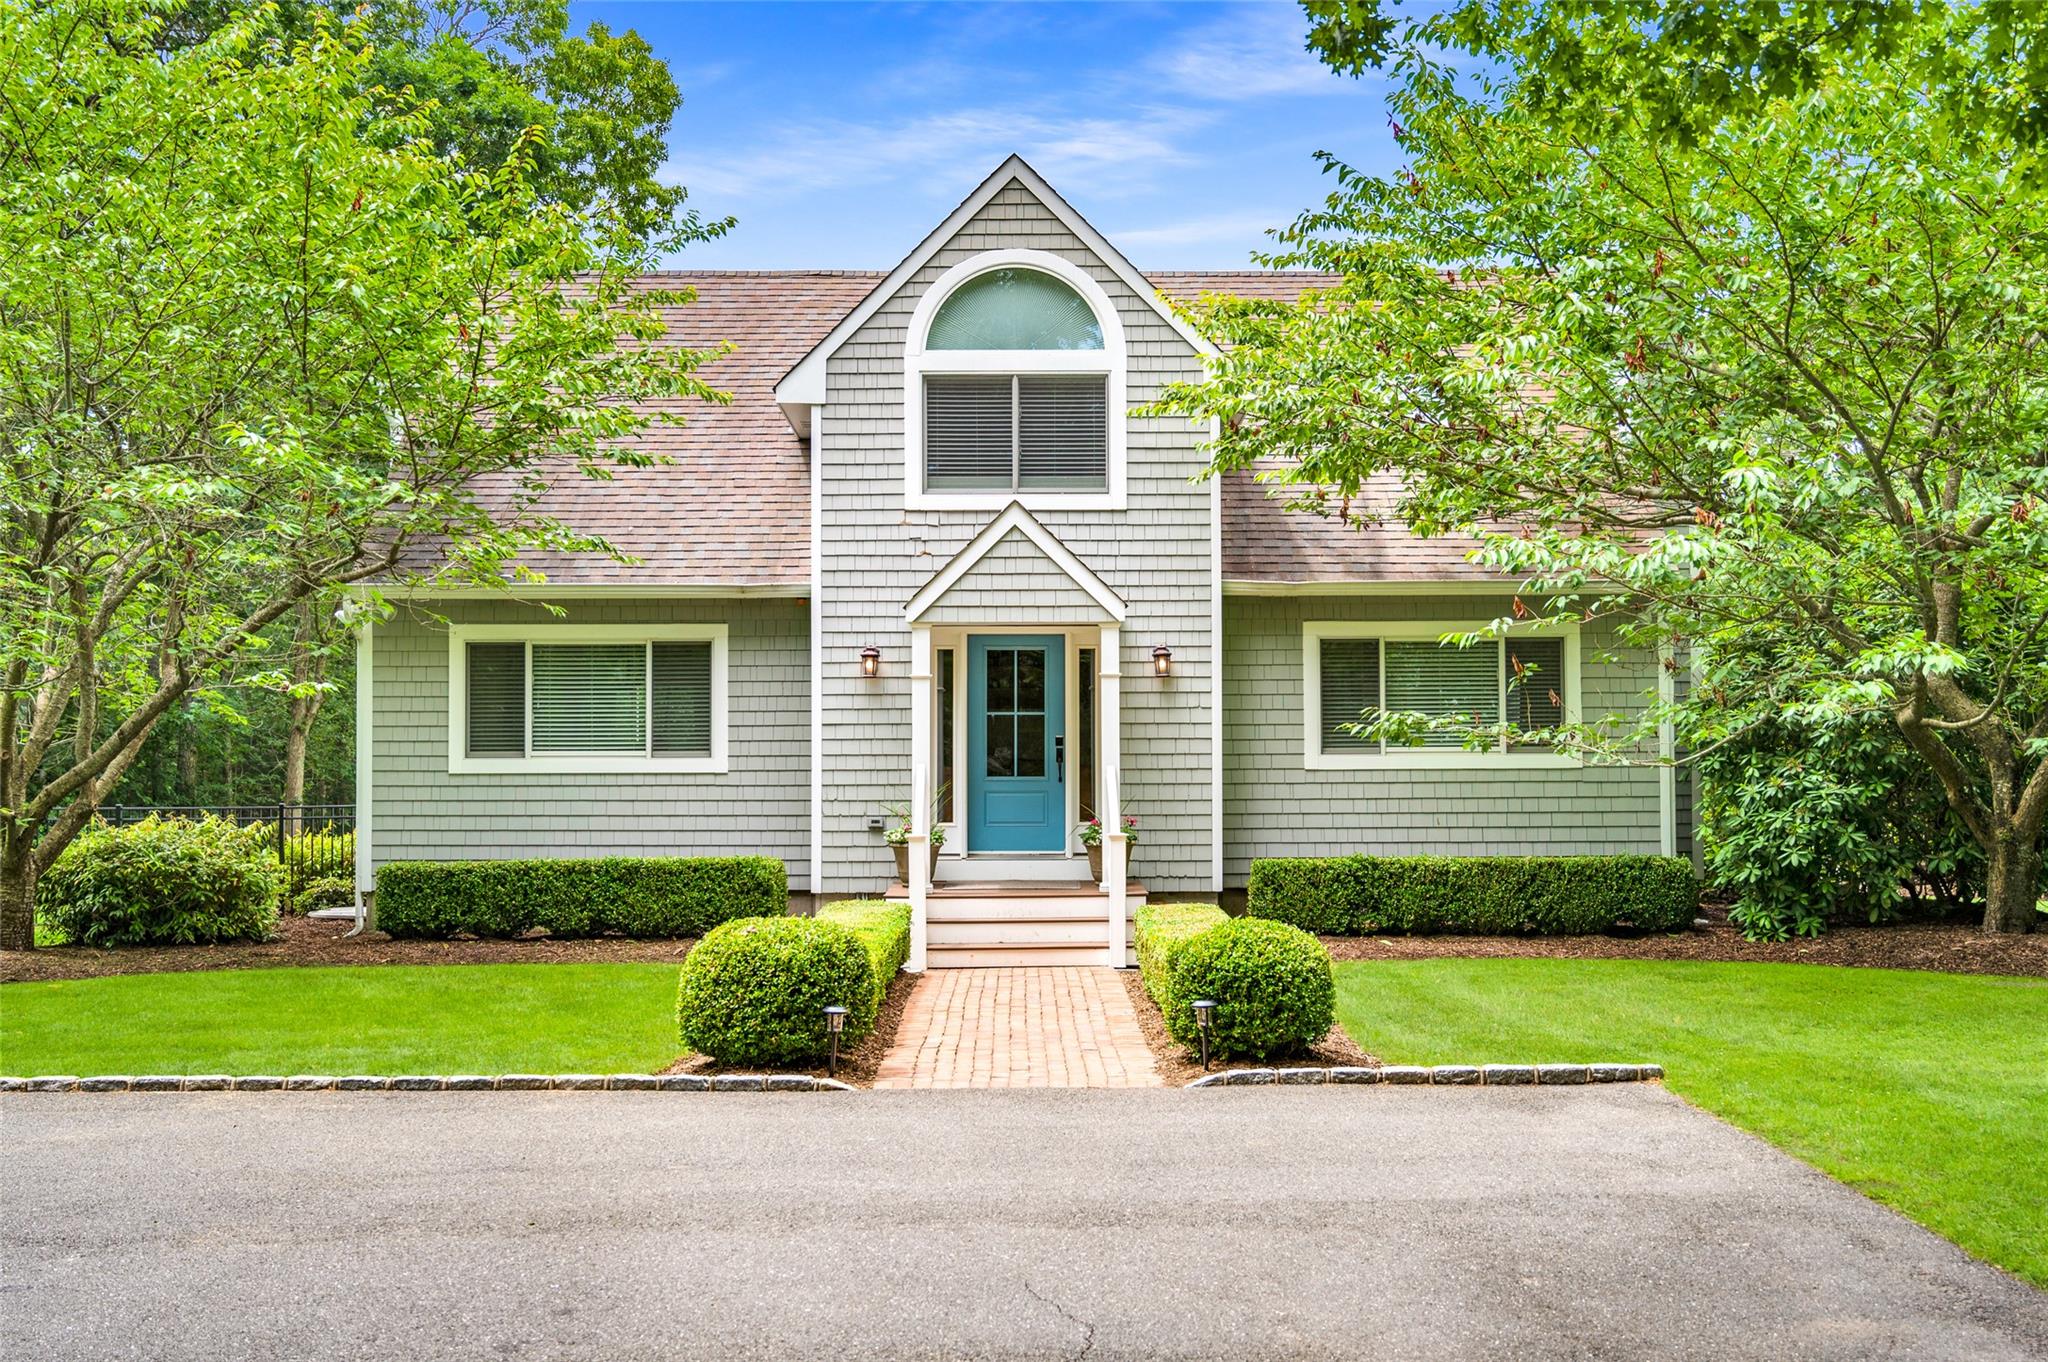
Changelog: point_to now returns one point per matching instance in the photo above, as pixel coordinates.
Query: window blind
(969, 425)
(1351, 688)
(1536, 687)
(1062, 432)
(495, 705)
(589, 697)
(682, 699)
(1444, 682)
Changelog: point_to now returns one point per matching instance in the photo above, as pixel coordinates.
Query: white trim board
(460, 636)
(803, 386)
(1313, 632)
(1019, 519)
(1111, 362)
(518, 592)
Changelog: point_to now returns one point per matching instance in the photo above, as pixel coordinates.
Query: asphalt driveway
(1353, 1223)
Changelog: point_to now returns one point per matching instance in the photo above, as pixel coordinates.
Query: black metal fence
(314, 841)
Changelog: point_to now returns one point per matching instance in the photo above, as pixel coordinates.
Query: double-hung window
(587, 699)
(1014, 388)
(1354, 671)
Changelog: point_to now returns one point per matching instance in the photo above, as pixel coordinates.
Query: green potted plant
(1090, 834)
(897, 835)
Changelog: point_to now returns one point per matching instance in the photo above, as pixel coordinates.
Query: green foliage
(1271, 984)
(1163, 930)
(754, 991)
(1812, 826)
(259, 341)
(1789, 373)
(1479, 895)
(316, 859)
(1675, 67)
(643, 896)
(163, 881)
(883, 926)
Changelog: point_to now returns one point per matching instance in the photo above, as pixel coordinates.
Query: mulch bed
(857, 1067)
(302, 941)
(1953, 948)
(1178, 1068)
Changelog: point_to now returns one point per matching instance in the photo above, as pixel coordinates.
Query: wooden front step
(1016, 922)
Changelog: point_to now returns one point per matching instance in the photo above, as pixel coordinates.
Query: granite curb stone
(463, 1083)
(1442, 1075)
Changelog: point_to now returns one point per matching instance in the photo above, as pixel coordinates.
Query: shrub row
(1271, 983)
(164, 881)
(1478, 895)
(645, 896)
(754, 991)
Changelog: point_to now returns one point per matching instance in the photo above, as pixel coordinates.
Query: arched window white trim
(920, 363)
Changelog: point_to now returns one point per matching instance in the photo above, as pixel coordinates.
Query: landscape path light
(835, 1022)
(1204, 1010)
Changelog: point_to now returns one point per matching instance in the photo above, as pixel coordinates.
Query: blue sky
(839, 134)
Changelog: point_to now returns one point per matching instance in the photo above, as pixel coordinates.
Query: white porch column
(918, 855)
(1109, 792)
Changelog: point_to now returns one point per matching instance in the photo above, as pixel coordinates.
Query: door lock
(1059, 756)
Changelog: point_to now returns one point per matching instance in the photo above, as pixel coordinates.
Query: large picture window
(1353, 671)
(1014, 387)
(586, 699)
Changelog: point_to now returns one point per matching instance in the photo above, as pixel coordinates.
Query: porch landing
(1037, 1027)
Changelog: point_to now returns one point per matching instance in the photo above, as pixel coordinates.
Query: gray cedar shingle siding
(876, 554)
(760, 805)
(1274, 807)
(1015, 576)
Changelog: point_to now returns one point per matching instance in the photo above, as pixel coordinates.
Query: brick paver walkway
(1068, 1026)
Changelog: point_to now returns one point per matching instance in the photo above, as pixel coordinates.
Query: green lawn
(1929, 1092)
(383, 1019)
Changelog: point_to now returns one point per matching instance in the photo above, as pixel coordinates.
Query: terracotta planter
(902, 850)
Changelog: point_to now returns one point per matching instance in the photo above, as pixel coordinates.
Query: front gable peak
(1016, 525)
(803, 387)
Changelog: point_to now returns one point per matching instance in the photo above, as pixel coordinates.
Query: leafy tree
(487, 72)
(1779, 387)
(1678, 68)
(258, 341)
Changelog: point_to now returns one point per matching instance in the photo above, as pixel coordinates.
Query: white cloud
(1255, 51)
(944, 153)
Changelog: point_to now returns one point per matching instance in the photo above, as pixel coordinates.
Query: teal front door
(1016, 743)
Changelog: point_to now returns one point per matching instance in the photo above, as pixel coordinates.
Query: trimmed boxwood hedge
(645, 896)
(754, 991)
(1271, 983)
(1475, 895)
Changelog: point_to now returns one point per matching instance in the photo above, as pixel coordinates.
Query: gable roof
(1015, 520)
(731, 506)
(804, 386)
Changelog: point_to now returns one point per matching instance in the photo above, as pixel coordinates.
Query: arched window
(1014, 386)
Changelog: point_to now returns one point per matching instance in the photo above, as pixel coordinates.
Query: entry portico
(1016, 704)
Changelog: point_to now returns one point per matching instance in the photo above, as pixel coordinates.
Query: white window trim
(1111, 361)
(1423, 758)
(460, 636)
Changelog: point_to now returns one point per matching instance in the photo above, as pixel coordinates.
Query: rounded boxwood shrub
(753, 991)
(1271, 984)
(164, 881)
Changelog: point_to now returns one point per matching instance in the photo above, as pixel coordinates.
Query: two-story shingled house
(928, 554)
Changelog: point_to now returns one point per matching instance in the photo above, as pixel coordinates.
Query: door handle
(1059, 757)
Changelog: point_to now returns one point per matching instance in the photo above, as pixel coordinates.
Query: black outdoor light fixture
(870, 660)
(835, 1022)
(1204, 1010)
(1162, 660)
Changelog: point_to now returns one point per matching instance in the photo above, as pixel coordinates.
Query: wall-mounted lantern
(870, 661)
(1162, 661)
